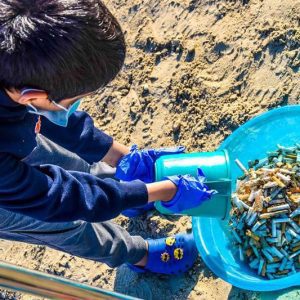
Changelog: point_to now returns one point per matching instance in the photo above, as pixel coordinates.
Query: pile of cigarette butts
(265, 215)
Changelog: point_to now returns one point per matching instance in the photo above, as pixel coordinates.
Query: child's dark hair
(66, 48)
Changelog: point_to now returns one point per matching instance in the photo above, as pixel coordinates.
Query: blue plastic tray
(250, 141)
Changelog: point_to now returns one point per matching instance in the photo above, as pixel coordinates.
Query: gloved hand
(191, 192)
(139, 164)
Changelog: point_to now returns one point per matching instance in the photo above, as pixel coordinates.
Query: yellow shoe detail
(178, 253)
(165, 257)
(170, 241)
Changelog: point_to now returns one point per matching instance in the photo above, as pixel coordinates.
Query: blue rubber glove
(191, 192)
(139, 164)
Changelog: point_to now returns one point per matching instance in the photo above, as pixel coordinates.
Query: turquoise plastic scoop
(250, 141)
(216, 167)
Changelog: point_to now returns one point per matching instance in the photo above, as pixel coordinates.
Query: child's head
(65, 47)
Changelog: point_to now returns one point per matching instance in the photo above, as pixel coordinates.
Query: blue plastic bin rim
(256, 119)
(200, 225)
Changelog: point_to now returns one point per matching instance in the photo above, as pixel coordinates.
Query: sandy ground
(195, 71)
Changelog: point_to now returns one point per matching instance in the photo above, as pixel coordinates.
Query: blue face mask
(60, 117)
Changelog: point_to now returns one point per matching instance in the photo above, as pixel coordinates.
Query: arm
(52, 194)
(163, 190)
(91, 144)
(83, 138)
(115, 153)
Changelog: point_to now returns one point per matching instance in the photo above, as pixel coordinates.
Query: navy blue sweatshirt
(50, 193)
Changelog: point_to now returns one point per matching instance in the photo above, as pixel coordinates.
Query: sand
(194, 72)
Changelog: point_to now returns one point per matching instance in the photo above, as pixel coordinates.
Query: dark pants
(104, 242)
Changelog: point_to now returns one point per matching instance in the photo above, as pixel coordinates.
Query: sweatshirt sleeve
(80, 137)
(51, 194)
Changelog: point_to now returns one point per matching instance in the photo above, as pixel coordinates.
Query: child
(52, 53)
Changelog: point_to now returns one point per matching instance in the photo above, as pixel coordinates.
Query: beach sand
(195, 71)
